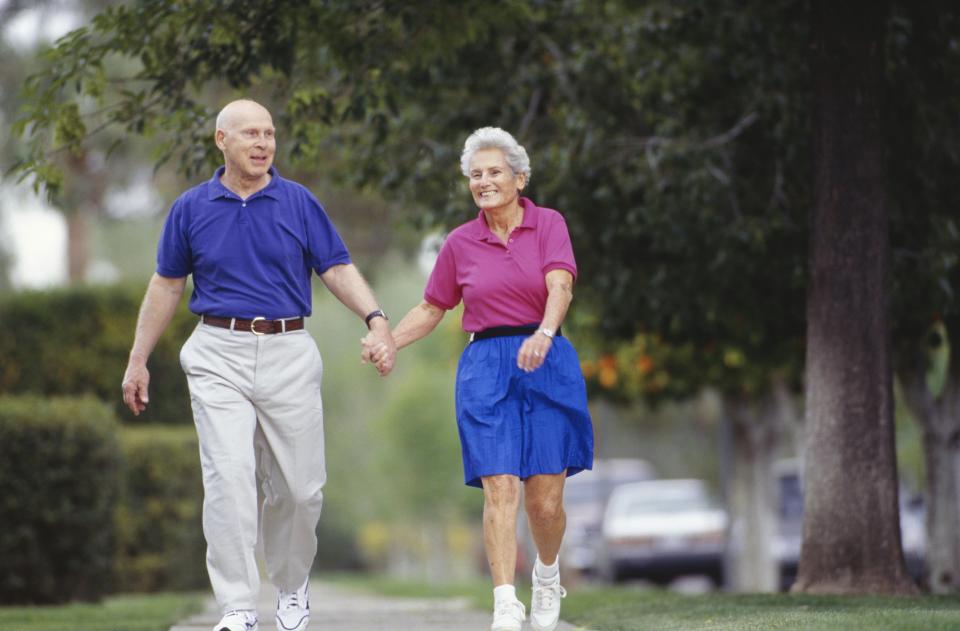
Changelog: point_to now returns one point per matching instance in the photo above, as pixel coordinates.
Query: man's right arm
(159, 305)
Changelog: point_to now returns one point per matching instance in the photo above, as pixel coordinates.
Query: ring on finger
(537, 353)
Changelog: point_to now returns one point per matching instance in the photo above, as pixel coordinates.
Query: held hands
(533, 352)
(135, 382)
(379, 349)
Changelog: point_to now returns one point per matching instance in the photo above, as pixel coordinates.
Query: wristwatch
(375, 314)
(546, 331)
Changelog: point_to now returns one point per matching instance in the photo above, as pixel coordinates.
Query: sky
(32, 232)
(44, 24)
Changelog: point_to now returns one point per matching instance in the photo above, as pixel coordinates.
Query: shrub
(76, 341)
(160, 543)
(59, 465)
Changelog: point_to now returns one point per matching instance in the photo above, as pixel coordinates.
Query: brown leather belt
(257, 326)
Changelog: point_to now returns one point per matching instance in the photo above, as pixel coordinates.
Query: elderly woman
(520, 396)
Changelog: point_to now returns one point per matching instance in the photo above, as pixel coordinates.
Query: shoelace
(513, 608)
(290, 600)
(544, 594)
(248, 620)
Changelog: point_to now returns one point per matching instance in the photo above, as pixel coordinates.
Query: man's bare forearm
(348, 285)
(159, 304)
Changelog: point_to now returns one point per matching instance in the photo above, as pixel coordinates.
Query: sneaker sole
(301, 626)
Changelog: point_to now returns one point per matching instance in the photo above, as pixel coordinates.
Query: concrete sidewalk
(334, 608)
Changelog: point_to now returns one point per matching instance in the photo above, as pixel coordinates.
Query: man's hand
(136, 379)
(163, 294)
(379, 348)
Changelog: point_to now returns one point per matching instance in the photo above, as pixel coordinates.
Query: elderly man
(251, 238)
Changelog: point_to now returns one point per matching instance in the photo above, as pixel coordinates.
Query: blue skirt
(518, 423)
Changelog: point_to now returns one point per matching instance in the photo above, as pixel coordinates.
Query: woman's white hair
(495, 138)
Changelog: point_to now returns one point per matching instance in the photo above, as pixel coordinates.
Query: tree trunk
(937, 411)
(78, 245)
(85, 193)
(756, 430)
(851, 530)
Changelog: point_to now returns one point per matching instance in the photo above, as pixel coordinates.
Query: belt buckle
(253, 324)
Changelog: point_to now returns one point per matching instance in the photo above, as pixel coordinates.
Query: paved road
(333, 608)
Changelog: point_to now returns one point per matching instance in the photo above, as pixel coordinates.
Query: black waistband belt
(506, 331)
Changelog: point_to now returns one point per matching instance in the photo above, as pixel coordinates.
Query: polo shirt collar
(216, 189)
(531, 214)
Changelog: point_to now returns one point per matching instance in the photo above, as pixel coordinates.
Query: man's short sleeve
(174, 256)
(557, 249)
(323, 241)
(442, 289)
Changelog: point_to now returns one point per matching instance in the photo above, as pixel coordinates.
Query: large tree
(851, 506)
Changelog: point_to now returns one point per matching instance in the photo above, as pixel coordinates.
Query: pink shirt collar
(531, 214)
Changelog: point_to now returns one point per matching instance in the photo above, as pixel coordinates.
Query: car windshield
(666, 501)
(589, 491)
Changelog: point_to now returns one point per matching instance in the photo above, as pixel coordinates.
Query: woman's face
(493, 183)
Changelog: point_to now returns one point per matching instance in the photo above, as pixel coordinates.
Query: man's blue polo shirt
(249, 257)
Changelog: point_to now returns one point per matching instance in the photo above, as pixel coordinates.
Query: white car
(585, 498)
(663, 529)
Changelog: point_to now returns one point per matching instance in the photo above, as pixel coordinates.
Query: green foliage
(76, 341)
(671, 136)
(59, 467)
(160, 544)
(674, 136)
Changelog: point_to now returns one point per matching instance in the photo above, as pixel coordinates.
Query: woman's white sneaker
(508, 615)
(545, 608)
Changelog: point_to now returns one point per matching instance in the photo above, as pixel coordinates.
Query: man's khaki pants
(259, 416)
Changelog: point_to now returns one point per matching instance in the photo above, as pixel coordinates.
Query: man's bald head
(240, 110)
(246, 136)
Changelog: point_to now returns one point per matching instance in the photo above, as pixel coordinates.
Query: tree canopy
(673, 136)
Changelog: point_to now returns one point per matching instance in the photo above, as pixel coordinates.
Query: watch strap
(377, 313)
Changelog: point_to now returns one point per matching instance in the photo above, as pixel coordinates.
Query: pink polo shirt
(501, 284)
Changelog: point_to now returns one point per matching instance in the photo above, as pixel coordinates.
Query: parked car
(663, 529)
(789, 535)
(585, 498)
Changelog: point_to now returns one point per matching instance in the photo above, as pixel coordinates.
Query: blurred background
(698, 481)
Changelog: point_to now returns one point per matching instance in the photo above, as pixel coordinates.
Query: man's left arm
(346, 283)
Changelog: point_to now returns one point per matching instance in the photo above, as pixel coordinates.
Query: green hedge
(76, 342)
(160, 543)
(59, 467)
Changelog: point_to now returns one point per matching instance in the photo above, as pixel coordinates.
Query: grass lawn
(625, 609)
(635, 609)
(135, 612)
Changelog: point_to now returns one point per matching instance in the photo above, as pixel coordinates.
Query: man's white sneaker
(293, 609)
(238, 620)
(508, 615)
(545, 608)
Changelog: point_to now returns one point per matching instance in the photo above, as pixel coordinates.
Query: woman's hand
(533, 352)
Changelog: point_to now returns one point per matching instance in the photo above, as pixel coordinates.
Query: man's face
(247, 141)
